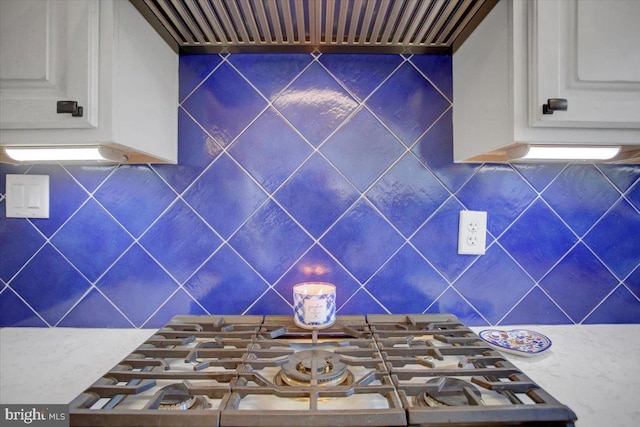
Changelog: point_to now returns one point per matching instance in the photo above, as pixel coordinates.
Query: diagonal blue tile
(634, 195)
(270, 241)
(66, 197)
(25, 241)
(580, 195)
(318, 266)
(361, 73)
(538, 239)
(133, 189)
(270, 73)
(438, 69)
(225, 284)
(536, 309)
(179, 303)
(407, 283)
(180, 241)
(494, 284)
(619, 307)
(408, 104)
(15, 313)
(579, 273)
(633, 282)
(436, 241)
(362, 240)
(94, 311)
(193, 70)
(615, 239)
(137, 285)
(224, 104)
(92, 256)
(270, 160)
(50, 285)
(270, 303)
(362, 303)
(316, 195)
(362, 149)
(318, 102)
(498, 190)
(90, 176)
(196, 150)
(435, 150)
(407, 194)
(622, 176)
(539, 175)
(452, 303)
(225, 196)
(315, 104)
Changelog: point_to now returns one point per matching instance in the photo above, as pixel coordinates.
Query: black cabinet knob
(69, 107)
(555, 104)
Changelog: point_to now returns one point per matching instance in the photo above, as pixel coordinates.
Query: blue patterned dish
(521, 342)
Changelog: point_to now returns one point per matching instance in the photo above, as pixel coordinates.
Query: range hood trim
(447, 18)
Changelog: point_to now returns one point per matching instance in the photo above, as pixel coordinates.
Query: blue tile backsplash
(336, 168)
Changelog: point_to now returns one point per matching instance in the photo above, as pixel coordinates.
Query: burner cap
(323, 366)
(448, 391)
(176, 397)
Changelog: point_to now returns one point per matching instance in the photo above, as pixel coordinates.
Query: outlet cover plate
(472, 233)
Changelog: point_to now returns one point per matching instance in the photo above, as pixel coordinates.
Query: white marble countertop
(595, 370)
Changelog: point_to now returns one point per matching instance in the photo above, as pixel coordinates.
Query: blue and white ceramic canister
(314, 305)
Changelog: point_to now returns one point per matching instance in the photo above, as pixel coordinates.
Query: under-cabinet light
(563, 152)
(65, 154)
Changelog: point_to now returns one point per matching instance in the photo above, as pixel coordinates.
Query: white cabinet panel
(104, 55)
(525, 52)
(49, 54)
(587, 52)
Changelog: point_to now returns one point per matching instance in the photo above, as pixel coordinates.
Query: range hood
(332, 26)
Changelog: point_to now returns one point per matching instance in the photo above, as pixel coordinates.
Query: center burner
(447, 391)
(176, 397)
(305, 366)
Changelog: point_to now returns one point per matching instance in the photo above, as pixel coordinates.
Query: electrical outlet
(472, 233)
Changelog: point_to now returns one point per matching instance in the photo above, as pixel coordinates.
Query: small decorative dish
(521, 342)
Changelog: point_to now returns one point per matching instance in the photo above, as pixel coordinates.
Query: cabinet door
(49, 53)
(588, 52)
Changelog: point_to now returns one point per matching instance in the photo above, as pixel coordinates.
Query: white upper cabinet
(102, 55)
(588, 53)
(46, 57)
(527, 52)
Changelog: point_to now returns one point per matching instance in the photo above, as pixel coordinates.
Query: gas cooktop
(378, 370)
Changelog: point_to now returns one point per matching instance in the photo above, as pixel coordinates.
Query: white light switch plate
(27, 196)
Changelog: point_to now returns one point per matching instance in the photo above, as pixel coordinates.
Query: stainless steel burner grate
(379, 370)
(447, 391)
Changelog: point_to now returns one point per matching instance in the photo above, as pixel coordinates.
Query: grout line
(606, 297)
(8, 288)
(222, 59)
